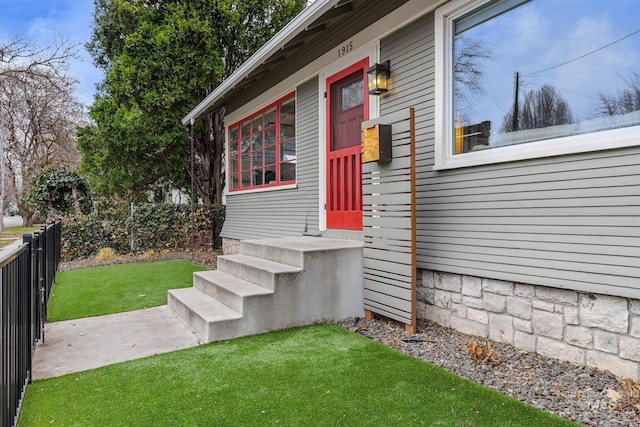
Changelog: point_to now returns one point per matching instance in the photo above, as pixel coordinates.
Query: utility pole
(516, 106)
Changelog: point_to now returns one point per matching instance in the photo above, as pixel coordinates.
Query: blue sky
(582, 48)
(42, 21)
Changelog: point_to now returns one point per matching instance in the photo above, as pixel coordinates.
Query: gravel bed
(584, 395)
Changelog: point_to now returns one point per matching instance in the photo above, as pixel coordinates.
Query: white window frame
(444, 157)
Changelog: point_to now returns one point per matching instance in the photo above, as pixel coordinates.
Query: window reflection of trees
(233, 142)
(255, 144)
(246, 140)
(352, 95)
(467, 65)
(287, 110)
(626, 100)
(542, 95)
(287, 142)
(540, 109)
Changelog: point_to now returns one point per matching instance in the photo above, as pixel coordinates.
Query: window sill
(262, 189)
(598, 141)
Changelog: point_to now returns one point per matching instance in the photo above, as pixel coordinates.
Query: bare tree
(625, 101)
(541, 108)
(467, 64)
(39, 114)
(469, 58)
(22, 56)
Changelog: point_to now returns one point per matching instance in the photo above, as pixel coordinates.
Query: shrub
(59, 191)
(158, 227)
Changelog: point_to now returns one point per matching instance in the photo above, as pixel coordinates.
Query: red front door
(347, 108)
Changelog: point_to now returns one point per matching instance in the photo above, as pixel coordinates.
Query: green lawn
(109, 289)
(320, 375)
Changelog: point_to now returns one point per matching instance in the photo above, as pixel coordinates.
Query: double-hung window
(262, 147)
(518, 79)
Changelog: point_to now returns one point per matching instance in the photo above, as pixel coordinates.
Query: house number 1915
(345, 48)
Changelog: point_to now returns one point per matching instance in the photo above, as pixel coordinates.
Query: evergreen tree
(160, 59)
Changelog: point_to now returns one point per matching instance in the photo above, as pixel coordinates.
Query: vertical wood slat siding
(569, 221)
(290, 212)
(389, 226)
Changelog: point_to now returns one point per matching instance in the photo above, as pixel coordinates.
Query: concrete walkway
(81, 344)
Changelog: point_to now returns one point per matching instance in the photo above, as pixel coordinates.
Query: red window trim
(278, 182)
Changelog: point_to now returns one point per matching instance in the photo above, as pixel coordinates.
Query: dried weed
(106, 254)
(482, 352)
(630, 391)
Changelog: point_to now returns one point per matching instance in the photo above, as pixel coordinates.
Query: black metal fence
(26, 277)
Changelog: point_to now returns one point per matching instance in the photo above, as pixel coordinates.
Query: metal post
(132, 244)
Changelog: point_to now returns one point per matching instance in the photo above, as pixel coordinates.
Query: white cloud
(46, 22)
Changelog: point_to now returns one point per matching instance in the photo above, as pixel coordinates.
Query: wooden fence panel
(389, 209)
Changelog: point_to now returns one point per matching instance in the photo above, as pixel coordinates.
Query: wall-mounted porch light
(378, 77)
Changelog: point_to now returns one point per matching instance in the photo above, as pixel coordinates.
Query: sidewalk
(81, 344)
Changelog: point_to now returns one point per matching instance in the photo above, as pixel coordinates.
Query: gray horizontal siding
(291, 212)
(569, 221)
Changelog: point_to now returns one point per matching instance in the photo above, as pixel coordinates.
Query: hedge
(161, 227)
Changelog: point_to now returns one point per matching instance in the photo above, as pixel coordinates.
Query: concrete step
(292, 250)
(274, 284)
(227, 289)
(256, 270)
(272, 250)
(200, 311)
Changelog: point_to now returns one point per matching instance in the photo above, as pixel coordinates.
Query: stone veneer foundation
(230, 246)
(587, 329)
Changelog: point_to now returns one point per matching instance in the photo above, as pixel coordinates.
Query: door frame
(370, 51)
(349, 220)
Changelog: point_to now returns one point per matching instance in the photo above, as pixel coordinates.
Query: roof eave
(314, 11)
